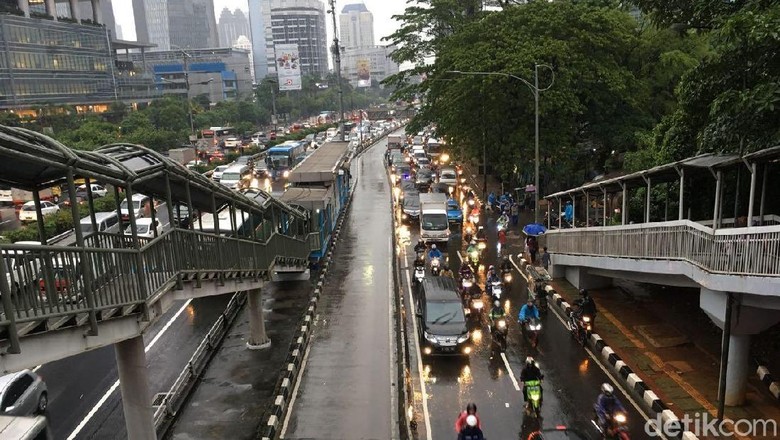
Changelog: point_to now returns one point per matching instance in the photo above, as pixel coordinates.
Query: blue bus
(282, 158)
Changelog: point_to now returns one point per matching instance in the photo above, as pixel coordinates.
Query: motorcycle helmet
(583, 293)
(529, 361)
(471, 420)
(497, 303)
(473, 242)
(491, 267)
(471, 408)
(433, 246)
(607, 389)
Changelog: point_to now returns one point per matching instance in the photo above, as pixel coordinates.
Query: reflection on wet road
(345, 391)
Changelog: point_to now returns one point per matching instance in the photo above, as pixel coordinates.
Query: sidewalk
(663, 336)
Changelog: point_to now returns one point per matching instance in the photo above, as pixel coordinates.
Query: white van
(106, 222)
(141, 207)
(233, 177)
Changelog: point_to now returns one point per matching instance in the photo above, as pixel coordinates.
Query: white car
(217, 174)
(97, 191)
(144, 227)
(28, 214)
(232, 142)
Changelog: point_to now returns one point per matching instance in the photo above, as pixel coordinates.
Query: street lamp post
(336, 51)
(535, 89)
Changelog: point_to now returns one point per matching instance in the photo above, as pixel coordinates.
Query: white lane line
(113, 387)
(391, 344)
(426, 415)
(295, 390)
(509, 370)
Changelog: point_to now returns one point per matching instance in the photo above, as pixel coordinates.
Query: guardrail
(167, 405)
(39, 282)
(751, 251)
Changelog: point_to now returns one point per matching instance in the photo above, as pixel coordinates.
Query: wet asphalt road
(345, 391)
(571, 384)
(76, 384)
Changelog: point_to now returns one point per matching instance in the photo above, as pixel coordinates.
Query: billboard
(288, 66)
(364, 72)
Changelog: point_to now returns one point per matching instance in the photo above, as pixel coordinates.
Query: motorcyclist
(446, 272)
(531, 372)
(472, 248)
(481, 233)
(491, 200)
(472, 430)
(434, 252)
(606, 405)
(419, 247)
(419, 262)
(497, 312)
(506, 265)
(465, 271)
(471, 410)
(586, 306)
(528, 311)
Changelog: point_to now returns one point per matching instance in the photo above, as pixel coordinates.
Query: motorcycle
(468, 233)
(580, 327)
(502, 223)
(506, 276)
(474, 258)
(496, 291)
(533, 404)
(541, 302)
(419, 275)
(531, 329)
(499, 333)
(435, 266)
(614, 428)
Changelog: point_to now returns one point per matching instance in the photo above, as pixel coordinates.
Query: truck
(182, 155)
(395, 141)
(434, 226)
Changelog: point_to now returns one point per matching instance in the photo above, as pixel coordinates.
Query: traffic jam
(485, 346)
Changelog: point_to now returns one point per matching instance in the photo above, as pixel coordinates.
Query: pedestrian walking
(515, 213)
(532, 248)
(546, 259)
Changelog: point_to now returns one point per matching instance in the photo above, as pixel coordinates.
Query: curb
(290, 374)
(772, 384)
(607, 355)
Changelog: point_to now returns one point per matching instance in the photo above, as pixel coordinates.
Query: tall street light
(535, 89)
(336, 51)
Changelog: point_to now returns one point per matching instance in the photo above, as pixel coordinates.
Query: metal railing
(40, 282)
(738, 251)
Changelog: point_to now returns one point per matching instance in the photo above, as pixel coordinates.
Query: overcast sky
(383, 10)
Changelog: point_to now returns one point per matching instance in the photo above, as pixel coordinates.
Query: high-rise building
(231, 26)
(105, 12)
(377, 58)
(356, 26)
(171, 24)
(257, 30)
(300, 22)
(243, 43)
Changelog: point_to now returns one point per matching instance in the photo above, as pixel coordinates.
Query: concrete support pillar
(51, 9)
(680, 212)
(624, 212)
(24, 5)
(751, 202)
(134, 384)
(737, 370)
(257, 336)
(97, 13)
(74, 10)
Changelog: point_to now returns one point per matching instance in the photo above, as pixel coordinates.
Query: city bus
(215, 134)
(282, 158)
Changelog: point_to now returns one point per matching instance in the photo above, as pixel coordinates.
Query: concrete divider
(621, 372)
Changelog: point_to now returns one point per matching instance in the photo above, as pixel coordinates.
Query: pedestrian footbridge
(708, 222)
(109, 287)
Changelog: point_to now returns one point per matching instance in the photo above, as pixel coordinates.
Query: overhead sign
(288, 66)
(364, 72)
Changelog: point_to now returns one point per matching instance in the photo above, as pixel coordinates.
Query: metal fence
(41, 282)
(742, 251)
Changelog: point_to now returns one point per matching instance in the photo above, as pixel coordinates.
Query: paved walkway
(663, 335)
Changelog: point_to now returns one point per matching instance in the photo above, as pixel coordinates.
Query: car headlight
(620, 418)
(463, 338)
(482, 245)
(467, 284)
(478, 304)
(536, 327)
(586, 319)
(286, 174)
(501, 324)
(430, 338)
(508, 277)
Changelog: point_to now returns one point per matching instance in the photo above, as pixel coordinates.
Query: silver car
(23, 393)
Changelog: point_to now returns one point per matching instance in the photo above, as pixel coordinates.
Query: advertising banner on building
(364, 72)
(288, 66)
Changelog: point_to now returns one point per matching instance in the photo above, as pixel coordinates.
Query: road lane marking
(391, 345)
(113, 387)
(295, 390)
(426, 415)
(509, 370)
